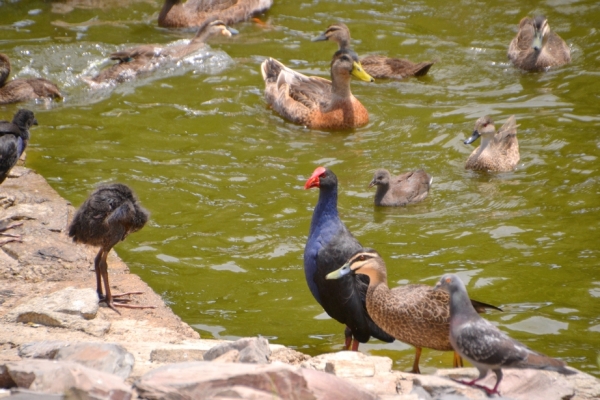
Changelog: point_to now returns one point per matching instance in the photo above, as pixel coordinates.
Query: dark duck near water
(14, 137)
(328, 247)
(108, 215)
(19, 90)
(379, 67)
(536, 47)
(483, 344)
(408, 188)
(143, 59)
(178, 14)
(413, 314)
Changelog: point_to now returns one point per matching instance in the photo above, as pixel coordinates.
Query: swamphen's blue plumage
(14, 137)
(330, 244)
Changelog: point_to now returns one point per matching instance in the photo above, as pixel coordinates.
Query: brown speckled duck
(536, 47)
(316, 102)
(19, 90)
(499, 151)
(377, 66)
(146, 58)
(413, 314)
(408, 188)
(178, 14)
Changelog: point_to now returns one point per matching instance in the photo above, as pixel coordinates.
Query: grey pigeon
(483, 344)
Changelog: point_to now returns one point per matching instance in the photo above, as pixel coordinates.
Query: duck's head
(345, 63)
(380, 178)
(214, 27)
(338, 33)
(484, 126)
(366, 262)
(24, 119)
(321, 178)
(540, 30)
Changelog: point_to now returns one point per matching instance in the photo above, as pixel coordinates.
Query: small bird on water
(108, 215)
(483, 344)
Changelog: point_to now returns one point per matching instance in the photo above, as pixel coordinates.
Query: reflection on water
(222, 175)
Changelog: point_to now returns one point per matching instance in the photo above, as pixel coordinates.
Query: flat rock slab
(67, 308)
(350, 364)
(520, 384)
(207, 380)
(245, 350)
(60, 377)
(106, 357)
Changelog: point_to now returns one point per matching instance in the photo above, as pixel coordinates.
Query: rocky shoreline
(55, 342)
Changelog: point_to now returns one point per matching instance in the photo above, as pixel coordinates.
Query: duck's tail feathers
(422, 68)
(270, 69)
(481, 306)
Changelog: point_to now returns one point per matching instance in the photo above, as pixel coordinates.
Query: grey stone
(251, 350)
(59, 377)
(23, 394)
(176, 355)
(107, 357)
(206, 380)
(46, 349)
(68, 308)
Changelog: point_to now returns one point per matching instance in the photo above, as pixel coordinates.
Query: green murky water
(223, 175)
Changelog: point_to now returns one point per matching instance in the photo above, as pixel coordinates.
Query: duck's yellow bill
(359, 72)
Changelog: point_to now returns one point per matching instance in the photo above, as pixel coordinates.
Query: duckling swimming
(146, 58)
(499, 151)
(536, 47)
(19, 90)
(316, 102)
(379, 67)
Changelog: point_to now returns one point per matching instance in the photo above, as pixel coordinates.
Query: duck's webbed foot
(8, 237)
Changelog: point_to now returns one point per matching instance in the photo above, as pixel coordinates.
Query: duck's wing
(291, 93)
(410, 187)
(229, 11)
(508, 132)
(128, 55)
(393, 68)
(559, 49)
(522, 42)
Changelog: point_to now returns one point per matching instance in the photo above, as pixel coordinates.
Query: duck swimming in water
(19, 90)
(536, 47)
(143, 59)
(499, 151)
(316, 102)
(379, 67)
(178, 14)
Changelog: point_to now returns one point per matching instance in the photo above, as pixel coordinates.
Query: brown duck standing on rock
(379, 67)
(19, 90)
(316, 102)
(536, 47)
(146, 58)
(108, 215)
(408, 188)
(499, 151)
(178, 14)
(413, 314)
